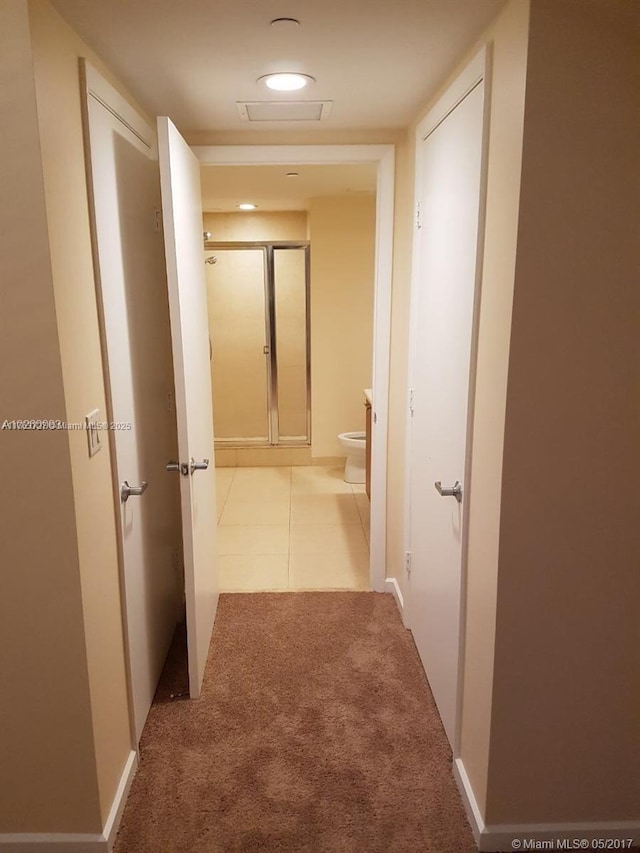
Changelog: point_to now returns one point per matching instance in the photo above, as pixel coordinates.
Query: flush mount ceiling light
(286, 81)
(247, 206)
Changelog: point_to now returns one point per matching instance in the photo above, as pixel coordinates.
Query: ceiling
(376, 60)
(224, 187)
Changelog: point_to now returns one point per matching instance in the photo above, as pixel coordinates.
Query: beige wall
(257, 225)
(48, 776)
(56, 51)
(564, 729)
(508, 38)
(342, 233)
(66, 733)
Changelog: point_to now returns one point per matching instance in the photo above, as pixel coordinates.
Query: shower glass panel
(239, 369)
(258, 302)
(290, 296)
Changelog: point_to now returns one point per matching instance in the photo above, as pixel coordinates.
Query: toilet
(354, 445)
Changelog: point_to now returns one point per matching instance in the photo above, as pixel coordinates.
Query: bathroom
(287, 518)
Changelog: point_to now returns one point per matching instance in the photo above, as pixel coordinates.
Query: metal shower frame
(268, 248)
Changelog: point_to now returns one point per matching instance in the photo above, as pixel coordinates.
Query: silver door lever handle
(198, 466)
(127, 491)
(454, 492)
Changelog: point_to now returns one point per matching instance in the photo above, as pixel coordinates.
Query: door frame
(94, 86)
(384, 158)
(477, 70)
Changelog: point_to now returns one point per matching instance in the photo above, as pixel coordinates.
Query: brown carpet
(316, 732)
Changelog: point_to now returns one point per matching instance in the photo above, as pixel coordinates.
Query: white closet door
(451, 162)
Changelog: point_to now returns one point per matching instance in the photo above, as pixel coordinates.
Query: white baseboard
(61, 842)
(549, 836)
(500, 838)
(474, 815)
(119, 801)
(52, 842)
(391, 585)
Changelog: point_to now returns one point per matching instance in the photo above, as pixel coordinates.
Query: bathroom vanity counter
(367, 403)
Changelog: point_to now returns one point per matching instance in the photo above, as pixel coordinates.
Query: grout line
(226, 497)
(362, 524)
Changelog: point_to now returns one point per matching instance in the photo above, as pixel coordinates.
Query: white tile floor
(291, 528)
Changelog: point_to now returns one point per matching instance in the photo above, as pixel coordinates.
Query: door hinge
(157, 220)
(407, 562)
(411, 396)
(418, 215)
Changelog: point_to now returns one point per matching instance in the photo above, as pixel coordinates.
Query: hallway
(542, 654)
(291, 528)
(316, 732)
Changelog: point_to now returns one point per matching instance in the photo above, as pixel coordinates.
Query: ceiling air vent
(284, 110)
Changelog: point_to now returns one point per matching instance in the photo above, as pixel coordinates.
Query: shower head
(211, 260)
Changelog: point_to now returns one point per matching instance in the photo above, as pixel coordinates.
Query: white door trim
(96, 85)
(384, 157)
(478, 69)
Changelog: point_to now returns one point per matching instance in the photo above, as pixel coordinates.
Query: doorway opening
(259, 324)
(381, 157)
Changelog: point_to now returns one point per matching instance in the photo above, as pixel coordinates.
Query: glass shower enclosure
(258, 305)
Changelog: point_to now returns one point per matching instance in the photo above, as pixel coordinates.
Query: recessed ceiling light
(247, 206)
(288, 81)
(285, 23)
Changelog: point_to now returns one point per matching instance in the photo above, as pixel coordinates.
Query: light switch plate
(93, 433)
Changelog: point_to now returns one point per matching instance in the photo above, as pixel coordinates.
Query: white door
(131, 275)
(182, 216)
(450, 191)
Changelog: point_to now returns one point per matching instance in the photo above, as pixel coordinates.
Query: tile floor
(291, 528)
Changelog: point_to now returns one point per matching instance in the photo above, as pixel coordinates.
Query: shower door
(258, 303)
